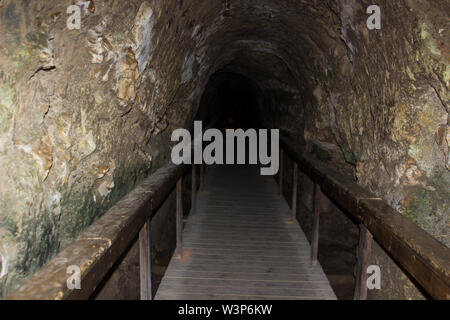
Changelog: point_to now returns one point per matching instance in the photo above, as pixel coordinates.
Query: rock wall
(86, 113)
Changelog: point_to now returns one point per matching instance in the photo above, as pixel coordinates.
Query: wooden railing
(423, 257)
(103, 244)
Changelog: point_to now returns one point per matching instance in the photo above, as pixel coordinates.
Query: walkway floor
(241, 244)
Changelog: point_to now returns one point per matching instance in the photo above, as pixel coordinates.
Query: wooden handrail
(421, 255)
(102, 244)
(98, 248)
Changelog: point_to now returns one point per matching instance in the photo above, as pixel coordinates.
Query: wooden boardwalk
(242, 245)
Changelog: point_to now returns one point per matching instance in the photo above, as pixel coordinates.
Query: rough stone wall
(86, 114)
(380, 99)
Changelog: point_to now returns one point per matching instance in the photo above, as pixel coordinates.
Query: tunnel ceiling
(90, 111)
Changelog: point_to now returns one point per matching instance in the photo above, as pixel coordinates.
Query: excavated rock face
(86, 113)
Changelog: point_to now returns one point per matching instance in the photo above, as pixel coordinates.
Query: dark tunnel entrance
(233, 104)
(231, 100)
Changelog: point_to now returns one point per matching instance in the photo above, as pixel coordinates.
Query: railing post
(364, 250)
(281, 173)
(315, 225)
(179, 217)
(194, 188)
(202, 175)
(145, 262)
(294, 192)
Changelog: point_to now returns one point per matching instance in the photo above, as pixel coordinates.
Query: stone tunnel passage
(87, 113)
(232, 100)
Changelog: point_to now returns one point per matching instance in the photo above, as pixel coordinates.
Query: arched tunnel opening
(354, 94)
(232, 100)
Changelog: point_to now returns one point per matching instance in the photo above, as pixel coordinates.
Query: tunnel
(230, 99)
(357, 91)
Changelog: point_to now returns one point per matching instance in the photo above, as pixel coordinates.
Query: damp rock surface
(86, 114)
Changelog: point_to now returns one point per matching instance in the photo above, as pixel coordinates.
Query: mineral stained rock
(86, 113)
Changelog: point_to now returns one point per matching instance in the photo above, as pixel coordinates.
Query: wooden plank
(239, 196)
(245, 214)
(228, 234)
(294, 192)
(186, 295)
(364, 249)
(243, 249)
(248, 264)
(281, 172)
(229, 212)
(315, 225)
(281, 225)
(234, 289)
(241, 210)
(255, 269)
(307, 286)
(193, 189)
(266, 277)
(248, 226)
(245, 237)
(246, 246)
(214, 240)
(179, 217)
(246, 232)
(243, 204)
(202, 175)
(255, 258)
(242, 229)
(244, 221)
(145, 263)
